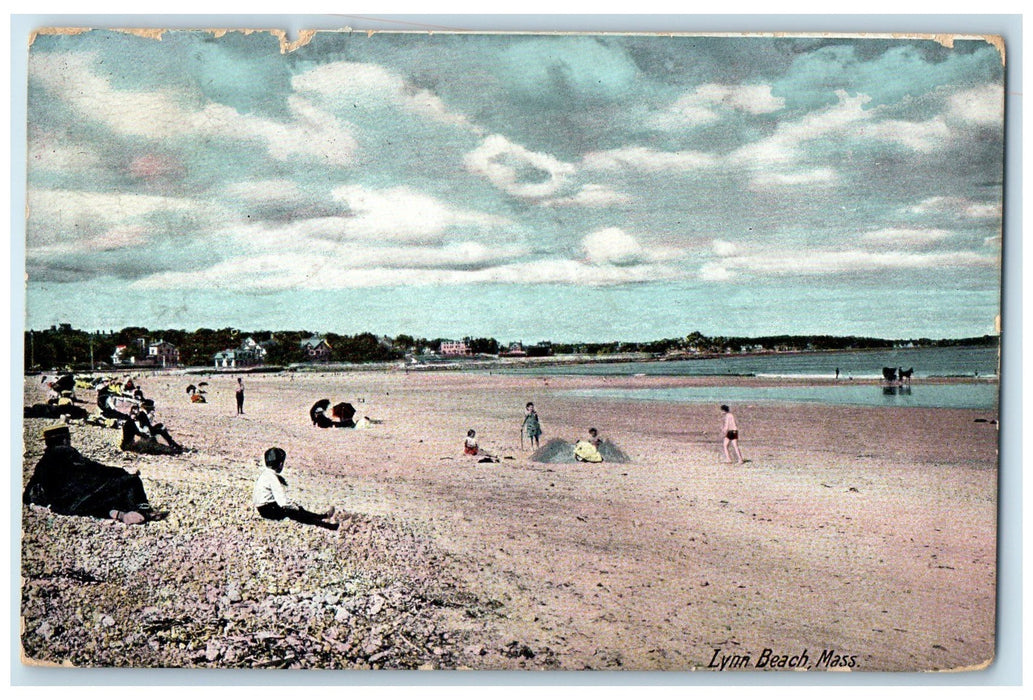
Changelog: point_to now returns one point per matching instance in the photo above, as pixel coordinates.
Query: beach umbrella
(344, 412)
(65, 383)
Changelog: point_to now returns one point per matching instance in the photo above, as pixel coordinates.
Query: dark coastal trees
(62, 346)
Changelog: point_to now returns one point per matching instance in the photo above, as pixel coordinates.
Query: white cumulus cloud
(649, 160)
(904, 237)
(60, 215)
(369, 85)
(159, 115)
(816, 263)
(924, 136)
(724, 248)
(785, 143)
(701, 106)
(612, 246)
(403, 214)
(590, 196)
(51, 152)
(981, 105)
(517, 170)
(958, 206)
(817, 177)
(265, 191)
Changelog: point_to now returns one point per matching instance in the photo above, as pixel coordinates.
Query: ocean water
(974, 395)
(927, 362)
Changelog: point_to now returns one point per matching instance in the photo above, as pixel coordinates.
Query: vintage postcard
(408, 350)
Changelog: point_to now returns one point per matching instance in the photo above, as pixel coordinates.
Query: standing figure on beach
(240, 396)
(271, 500)
(532, 425)
(730, 430)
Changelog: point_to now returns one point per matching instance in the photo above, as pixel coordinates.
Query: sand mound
(612, 453)
(557, 451)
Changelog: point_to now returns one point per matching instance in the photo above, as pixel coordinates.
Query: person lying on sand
(68, 483)
(272, 501)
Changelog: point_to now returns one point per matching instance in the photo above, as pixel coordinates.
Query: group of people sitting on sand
(69, 483)
(585, 450)
(588, 449)
(140, 432)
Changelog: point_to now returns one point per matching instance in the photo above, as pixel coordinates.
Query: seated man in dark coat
(104, 403)
(70, 484)
(133, 440)
(148, 428)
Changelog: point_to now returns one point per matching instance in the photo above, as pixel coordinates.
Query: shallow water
(982, 396)
(927, 362)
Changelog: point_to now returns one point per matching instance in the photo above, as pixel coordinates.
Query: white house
(163, 354)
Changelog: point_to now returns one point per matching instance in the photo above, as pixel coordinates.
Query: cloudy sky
(517, 186)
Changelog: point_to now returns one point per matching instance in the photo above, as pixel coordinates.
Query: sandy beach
(853, 538)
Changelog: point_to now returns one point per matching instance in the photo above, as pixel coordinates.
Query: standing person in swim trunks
(730, 430)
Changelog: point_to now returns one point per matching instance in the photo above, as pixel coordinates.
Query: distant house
(163, 354)
(252, 352)
(515, 350)
(542, 349)
(454, 348)
(119, 357)
(316, 349)
(226, 359)
(248, 354)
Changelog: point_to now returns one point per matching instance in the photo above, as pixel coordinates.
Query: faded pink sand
(867, 531)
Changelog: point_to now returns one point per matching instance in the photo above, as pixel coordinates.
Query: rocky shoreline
(215, 586)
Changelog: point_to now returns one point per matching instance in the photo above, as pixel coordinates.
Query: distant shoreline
(454, 364)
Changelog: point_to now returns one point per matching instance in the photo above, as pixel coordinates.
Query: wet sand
(861, 536)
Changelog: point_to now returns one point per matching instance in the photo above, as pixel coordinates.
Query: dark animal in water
(905, 374)
(889, 374)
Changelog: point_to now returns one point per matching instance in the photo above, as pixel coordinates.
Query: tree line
(64, 346)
